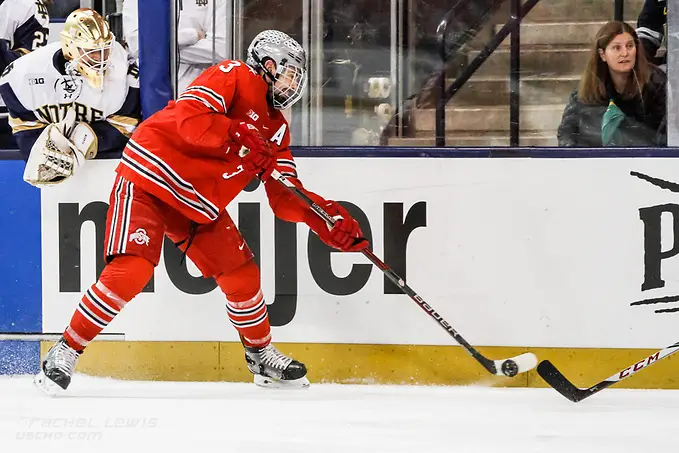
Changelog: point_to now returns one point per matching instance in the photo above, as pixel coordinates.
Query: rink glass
(374, 67)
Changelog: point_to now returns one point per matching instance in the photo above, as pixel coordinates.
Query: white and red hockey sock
(121, 280)
(251, 319)
(245, 304)
(96, 310)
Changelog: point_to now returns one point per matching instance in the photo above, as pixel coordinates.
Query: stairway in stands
(555, 41)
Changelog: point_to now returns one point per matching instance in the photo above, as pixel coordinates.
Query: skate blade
(46, 385)
(267, 382)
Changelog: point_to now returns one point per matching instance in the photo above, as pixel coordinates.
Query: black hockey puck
(510, 368)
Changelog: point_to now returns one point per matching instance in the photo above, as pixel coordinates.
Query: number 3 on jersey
(233, 64)
(278, 136)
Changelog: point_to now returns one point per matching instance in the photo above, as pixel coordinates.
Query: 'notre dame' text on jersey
(39, 90)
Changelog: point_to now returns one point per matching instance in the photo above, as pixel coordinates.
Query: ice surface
(102, 415)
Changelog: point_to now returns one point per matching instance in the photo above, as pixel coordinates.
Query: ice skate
(57, 368)
(274, 369)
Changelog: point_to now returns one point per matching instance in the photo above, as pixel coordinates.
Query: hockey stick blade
(506, 367)
(561, 384)
(558, 382)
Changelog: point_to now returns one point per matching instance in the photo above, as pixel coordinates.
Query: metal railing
(445, 94)
(619, 13)
(512, 27)
(459, 26)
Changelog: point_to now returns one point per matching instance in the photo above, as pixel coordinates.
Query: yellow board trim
(365, 364)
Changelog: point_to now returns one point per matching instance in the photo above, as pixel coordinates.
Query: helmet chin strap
(270, 80)
(269, 95)
(260, 62)
(268, 77)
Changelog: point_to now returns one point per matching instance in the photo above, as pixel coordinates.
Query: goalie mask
(86, 42)
(289, 80)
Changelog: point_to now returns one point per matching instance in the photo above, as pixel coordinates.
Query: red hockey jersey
(183, 154)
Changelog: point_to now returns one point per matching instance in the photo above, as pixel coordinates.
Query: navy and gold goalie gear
(24, 27)
(86, 41)
(59, 150)
(39, 90)
(53, 158)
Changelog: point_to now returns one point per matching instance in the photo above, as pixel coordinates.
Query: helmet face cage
(289, 86)
(96, 59)
(290, 79)
(92, 63)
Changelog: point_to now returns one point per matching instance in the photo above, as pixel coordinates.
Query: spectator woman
(621, 99)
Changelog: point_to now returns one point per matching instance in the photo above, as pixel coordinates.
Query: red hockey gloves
(346, 234)
(258, 160)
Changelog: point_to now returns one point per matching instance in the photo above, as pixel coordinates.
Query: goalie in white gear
(73, 100)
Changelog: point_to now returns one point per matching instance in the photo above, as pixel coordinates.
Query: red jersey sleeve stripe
(215, 99)
(172, 177)
(287, 163)
(208, 92)
(189, 97)
(160, 182)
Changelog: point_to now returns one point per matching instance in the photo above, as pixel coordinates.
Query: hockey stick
(558, 381)
(506, 367)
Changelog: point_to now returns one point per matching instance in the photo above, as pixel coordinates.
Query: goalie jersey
(39, 89)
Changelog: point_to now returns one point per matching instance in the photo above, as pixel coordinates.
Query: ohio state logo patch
(140, 237)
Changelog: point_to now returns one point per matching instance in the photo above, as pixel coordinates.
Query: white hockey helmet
(86, 41)
(289, 81)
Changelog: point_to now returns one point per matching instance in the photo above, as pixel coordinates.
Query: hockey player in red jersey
(179, 171)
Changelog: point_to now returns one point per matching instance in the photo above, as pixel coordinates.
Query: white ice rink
(100, 415)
